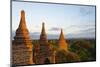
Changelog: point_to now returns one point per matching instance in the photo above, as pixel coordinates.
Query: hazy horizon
(35, 36)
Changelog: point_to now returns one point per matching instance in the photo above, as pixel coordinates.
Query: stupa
(43, 53)
(43, 36)
(63, 45)
(22, 45)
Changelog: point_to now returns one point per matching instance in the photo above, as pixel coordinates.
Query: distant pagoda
(43, 36)
(63, 45)
(22, 44)
(44, 53)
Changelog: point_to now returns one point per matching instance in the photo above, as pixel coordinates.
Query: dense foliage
(79, 50)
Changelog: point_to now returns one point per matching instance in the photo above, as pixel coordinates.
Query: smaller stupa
(43, 52)
(63, 45)
(43, 36)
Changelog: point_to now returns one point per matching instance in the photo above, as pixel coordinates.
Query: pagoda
(43, 53)
(22, 53)
(63, 45)
(43, 36)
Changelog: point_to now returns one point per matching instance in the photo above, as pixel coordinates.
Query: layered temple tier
(22, 53)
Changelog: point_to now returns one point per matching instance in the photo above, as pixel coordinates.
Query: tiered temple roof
(22, 44)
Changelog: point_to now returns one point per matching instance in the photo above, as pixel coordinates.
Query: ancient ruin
(22, 53)
(44, 53)
(63, 45)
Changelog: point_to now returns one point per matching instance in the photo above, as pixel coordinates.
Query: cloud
(80, 31)
(54, 29)
(83, 32)
(81, 35)
(82, 26)
(75, 29)
(88, 30)
(36, 33)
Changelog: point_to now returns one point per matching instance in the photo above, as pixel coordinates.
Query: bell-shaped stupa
(63, 45)
(22, 44)
(44, 54)
(43, 36)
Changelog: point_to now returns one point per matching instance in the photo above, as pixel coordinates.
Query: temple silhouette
(24, 52)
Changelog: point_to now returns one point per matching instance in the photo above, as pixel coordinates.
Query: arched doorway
(47, 61)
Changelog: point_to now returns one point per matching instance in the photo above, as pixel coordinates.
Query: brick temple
(22, 53)
(44, 53)
(63, 45)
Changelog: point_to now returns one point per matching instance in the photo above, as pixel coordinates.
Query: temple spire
(62, 42)
(45, 51)
(61, 35)
(22, 28)
(22, 20)
(43, 29)
(43, 36)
